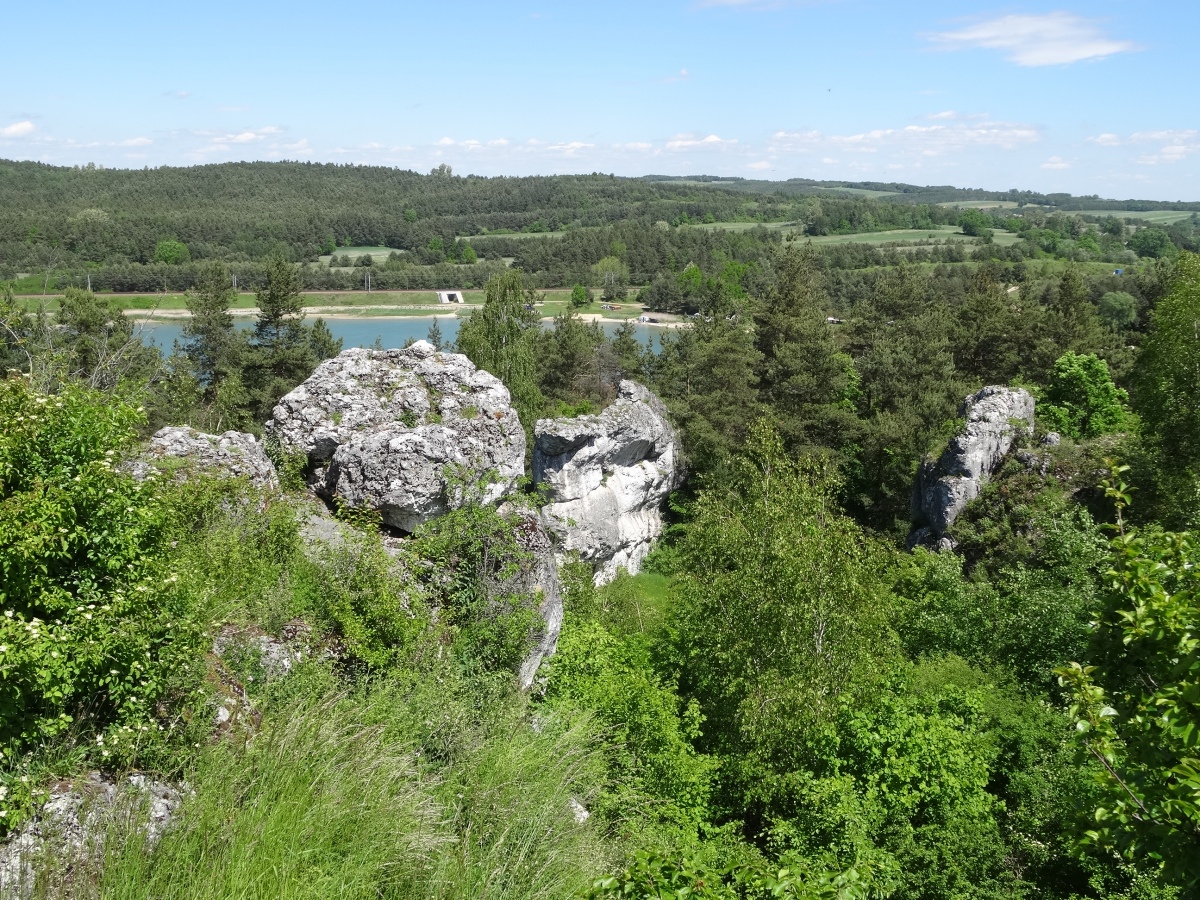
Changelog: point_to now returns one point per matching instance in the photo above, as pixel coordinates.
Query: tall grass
(339, 797)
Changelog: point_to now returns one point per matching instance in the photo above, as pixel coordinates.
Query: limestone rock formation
(606, 477)
(995, 416)
(177, 450)
(409, 433)
(538, 577)
(72, 824)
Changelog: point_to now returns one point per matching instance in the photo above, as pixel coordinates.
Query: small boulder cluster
(412, 433)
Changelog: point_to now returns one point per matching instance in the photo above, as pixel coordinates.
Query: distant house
(450, 297)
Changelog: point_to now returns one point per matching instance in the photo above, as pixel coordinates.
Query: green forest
(784, 702)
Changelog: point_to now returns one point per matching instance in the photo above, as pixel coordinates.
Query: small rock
(178, 451)
(72, 824)
(578, 811)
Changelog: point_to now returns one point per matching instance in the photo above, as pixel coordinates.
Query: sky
(1090, 97)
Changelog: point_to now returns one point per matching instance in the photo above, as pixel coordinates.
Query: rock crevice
(995, 418)
(605, 478)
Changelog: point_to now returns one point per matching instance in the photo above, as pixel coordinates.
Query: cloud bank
(1051, 39)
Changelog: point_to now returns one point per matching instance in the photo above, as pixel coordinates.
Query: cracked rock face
(538, 577)
(606, 477)
(996, 417)
(409, 433)
(71, 826)
(177, 450)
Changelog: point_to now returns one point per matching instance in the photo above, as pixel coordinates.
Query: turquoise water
(392, 331)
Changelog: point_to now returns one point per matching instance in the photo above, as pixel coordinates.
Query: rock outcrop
(69, 830)
(995, 416)
(537, 577)
(606, 477)
(178, 450)
(409, 433)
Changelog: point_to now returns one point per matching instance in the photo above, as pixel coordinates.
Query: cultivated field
(1157, 216)
(980, 204)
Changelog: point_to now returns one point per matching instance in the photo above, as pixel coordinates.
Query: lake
(393, 331)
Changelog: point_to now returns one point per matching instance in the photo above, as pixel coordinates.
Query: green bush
(478, 569)
(655, 776)
(1081, 400)
(98, 644)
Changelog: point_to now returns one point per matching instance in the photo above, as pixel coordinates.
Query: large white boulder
(996, 417)
(606, 477)
(409, 433)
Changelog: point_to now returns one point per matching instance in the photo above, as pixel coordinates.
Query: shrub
(1081, 400)
(1119, 309)
(95, 635)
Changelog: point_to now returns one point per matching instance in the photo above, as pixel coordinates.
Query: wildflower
(3, 648)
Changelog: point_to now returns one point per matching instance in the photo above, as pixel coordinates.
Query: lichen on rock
(409, 433)
(177, 451)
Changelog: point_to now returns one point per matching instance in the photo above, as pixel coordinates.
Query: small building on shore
(450, 297)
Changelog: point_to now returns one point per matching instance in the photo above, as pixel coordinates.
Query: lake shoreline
(141, 316)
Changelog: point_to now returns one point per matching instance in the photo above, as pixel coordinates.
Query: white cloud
(925, 140)
(569, 148)
(1051, 39)
(1056, 162)
(947, 114)
(137, 142)
(247, 137)
(300, 147)
(18, 129)
(690, 141)
(761, 164)
(1175, 145)
(446, 142)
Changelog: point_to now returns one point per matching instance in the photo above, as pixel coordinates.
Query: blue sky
(1094, 97)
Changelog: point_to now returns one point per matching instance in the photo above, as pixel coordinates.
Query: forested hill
(900, 192)
(255, 208)
(247, 211)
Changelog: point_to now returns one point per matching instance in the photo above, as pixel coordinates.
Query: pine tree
(283, 353)
(434, 336)
(803, 375)
(210, 341)
(500, 338)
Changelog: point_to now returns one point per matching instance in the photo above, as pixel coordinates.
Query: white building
(450, 296)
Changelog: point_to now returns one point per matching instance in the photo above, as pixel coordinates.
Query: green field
(937, 233)
(980, 204)
(864, 192)
(1157, 216)
(377, 254)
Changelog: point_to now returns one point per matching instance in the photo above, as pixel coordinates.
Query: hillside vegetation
(785, 702)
